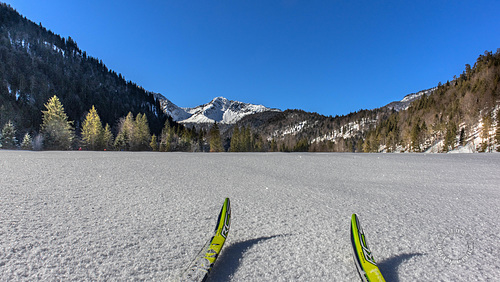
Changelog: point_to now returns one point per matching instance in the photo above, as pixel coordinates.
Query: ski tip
(354, 221)
(363, 257)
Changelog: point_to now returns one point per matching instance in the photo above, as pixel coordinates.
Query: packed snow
(144, 216)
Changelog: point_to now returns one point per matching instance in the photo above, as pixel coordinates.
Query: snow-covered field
(143, 216)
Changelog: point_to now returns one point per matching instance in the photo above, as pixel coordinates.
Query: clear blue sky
(331, 57)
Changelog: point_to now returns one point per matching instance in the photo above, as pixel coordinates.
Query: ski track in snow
(144, 216)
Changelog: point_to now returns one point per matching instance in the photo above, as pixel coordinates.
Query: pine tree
(27, 143)
(215, 140)
(301, 146)
(57, 130)
(415, 132)
(485, 133)
(235, 142)
(246, 144)
(124, 138)
(92, 131)
(450, 136)
(141, 135)
(8, 137)
(154, 143)
(366, 145)
(107, 138)
(497, 136)
(462, 136)
(166, 138)
(274, 146)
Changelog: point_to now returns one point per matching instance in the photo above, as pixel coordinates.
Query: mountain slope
(36, 64)
(408, 99)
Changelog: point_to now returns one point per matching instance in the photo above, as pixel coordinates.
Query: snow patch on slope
(406, 101)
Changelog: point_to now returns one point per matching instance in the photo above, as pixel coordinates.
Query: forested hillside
(36, 64)
(297, 130)
(459, 113)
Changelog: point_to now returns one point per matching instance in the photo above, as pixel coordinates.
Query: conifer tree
(124, 137)
(235, 142)
(141, 134)
(27, 143)
(215, 140)
(274, 146)
(92, 131)
(8, 137)
(485, 134)
(107, 138)
(154, 143)
(366, 145)
(462, 136)
(57, 130)
(415, 132)
(451, 135)
(247, 139)
(497, 136)
(166, 137)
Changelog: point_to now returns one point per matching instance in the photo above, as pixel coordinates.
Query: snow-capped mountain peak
(220, 110)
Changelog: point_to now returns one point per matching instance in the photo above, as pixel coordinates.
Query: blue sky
(331, 57)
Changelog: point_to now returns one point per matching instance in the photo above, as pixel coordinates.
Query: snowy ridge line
(404, 103)
(220, 110)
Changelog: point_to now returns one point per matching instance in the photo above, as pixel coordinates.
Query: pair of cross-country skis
(199, 268)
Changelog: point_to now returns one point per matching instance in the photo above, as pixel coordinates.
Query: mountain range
(220, 110)
(224, 111)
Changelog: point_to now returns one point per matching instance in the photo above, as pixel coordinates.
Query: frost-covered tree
(92, 131)
(8, 137)
(57, 130)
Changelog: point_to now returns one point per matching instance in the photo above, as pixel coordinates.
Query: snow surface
(143, 216)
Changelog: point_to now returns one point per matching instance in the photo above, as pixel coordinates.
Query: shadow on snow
(231, 256)
(389, 267)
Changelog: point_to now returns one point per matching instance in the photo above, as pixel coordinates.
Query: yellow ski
(363, 258)
(200, 267)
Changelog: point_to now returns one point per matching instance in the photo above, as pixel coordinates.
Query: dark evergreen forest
(36, 64)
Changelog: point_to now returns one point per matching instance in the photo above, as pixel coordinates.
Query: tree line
(58, 132)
